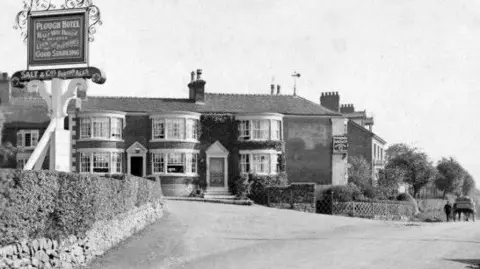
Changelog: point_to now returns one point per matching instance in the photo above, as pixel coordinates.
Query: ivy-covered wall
(224, 128)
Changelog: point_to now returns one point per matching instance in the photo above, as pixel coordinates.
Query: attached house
(207, 139)
(363, 142)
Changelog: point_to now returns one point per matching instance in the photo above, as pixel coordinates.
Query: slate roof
(26, 110)
(214, 103)
(34, 109)
(360, 127)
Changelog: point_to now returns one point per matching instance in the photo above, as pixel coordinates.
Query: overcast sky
(412, 64)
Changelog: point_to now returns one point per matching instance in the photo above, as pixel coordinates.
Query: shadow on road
(471, 263)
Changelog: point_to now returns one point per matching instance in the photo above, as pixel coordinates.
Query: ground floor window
(22, 161)
(101, 162)
(259, 162)
(174, 162)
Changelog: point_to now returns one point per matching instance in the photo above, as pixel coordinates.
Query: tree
(450, 176)
(412, 167)
(396, 149)
(7, 150)
(388, 181)
(359, 172)
(468, 184)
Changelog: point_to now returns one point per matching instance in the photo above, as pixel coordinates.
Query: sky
(414, 65)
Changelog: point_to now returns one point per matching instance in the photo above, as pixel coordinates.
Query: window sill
(259, 140)
(176, 174)
(260, 174)
(101, 139)
(175, 140)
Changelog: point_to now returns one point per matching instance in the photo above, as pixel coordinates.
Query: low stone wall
(72, 251)
(297, 196)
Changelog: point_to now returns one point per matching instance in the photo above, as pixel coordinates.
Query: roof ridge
(135, 97)
(250, 94)
(326, 108)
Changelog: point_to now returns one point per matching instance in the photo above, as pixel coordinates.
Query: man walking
(448, 210)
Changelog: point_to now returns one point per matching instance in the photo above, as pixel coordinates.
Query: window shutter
(34, 138)
(19, 139)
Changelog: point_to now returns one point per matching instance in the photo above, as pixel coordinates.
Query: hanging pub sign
(58, 37)
(340, 144)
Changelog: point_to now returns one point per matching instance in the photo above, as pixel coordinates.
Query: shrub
(259, 184)
(408, 198)
(344, 193)
(54, 204)
(242, 186)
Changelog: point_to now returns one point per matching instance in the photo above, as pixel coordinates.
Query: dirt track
(202, 235)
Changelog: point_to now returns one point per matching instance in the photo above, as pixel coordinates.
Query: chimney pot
(199, 74)
(278, 89)
(192, 76)
(272, 89)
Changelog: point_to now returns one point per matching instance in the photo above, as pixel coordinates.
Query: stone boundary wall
(73, 252)
(297, 196)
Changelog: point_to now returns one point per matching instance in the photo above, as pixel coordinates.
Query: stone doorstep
(220, 196)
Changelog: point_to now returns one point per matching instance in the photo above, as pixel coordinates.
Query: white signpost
(57, 37)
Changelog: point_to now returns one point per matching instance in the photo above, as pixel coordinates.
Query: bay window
(165, 162)
(259, 162)
(27, 138)
(101, 127)
(174, 129)
(260, 127)
(101, 162)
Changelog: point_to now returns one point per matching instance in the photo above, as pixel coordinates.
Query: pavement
(205, 235)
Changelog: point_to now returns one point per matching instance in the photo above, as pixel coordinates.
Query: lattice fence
(388, 210)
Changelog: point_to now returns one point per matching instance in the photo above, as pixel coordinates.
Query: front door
(136, 166)
(217, 172)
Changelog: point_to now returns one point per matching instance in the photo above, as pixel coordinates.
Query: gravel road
(203, 235)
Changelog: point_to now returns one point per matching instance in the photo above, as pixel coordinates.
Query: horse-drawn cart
(464, 205)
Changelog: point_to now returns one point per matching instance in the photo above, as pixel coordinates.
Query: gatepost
(57, 68)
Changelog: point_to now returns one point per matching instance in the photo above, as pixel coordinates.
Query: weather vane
(295, 76)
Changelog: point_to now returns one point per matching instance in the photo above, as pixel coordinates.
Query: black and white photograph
(185, 134)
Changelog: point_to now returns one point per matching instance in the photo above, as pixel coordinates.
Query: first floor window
(21, 162)
(245, 163)
(276, 130)
(174, 162)
(27, 138)
(101, 162)
(117, 158)
(259, 163)
(85, 161)
(192, 129)
(158, 163)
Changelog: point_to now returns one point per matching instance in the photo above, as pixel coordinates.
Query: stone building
(206, 139)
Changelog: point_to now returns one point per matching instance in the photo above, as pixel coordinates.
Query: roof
(26, 110)
(367, 131)
(214, 103)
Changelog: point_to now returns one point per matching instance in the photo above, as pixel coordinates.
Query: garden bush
(242, 186)
(408, 198)
(344, 193)
(259, 185)
(54, 205)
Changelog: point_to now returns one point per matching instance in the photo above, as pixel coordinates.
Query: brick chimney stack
(330, 100)
(197, 87)
(5, 88)
(347, 108)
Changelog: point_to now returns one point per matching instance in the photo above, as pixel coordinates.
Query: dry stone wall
(72, 251)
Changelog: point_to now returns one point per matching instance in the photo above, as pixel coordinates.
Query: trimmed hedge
(259, 185)
(54, 205)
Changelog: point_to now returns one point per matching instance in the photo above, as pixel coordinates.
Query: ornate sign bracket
(21, 19)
